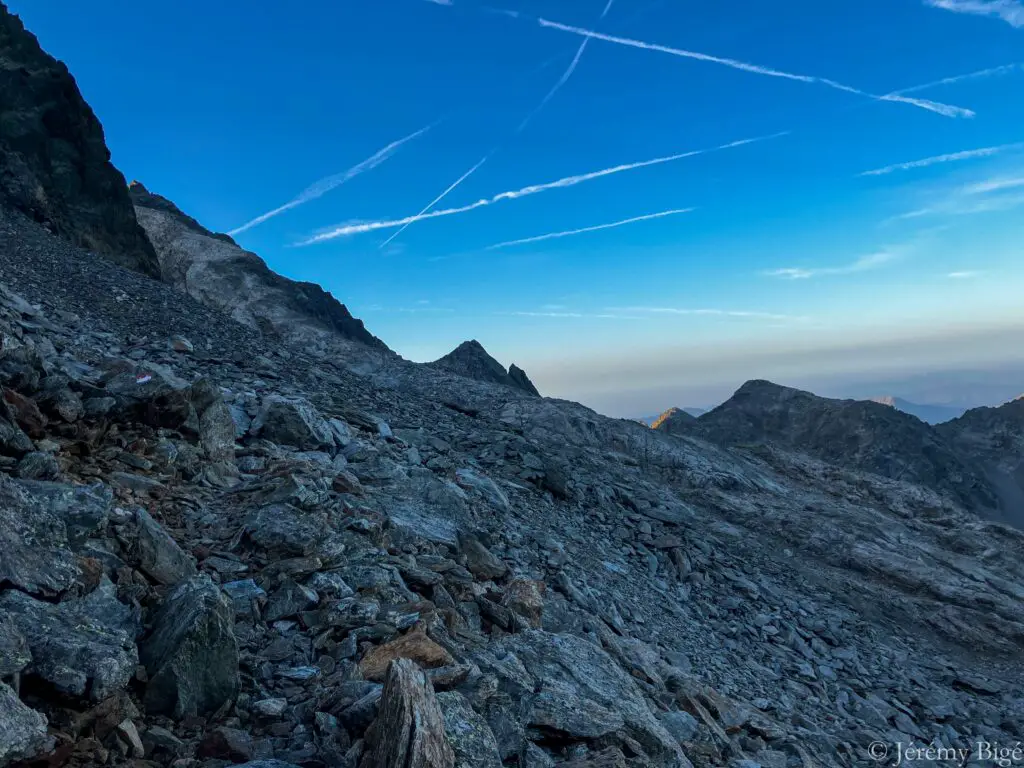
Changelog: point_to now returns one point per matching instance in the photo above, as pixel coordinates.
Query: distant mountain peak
(471, 360)
(674, 421)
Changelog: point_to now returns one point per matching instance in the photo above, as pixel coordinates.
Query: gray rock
(409, 731)
(191, 655)
(568, 686)
(38, 466)
(40, 523)
(294, 422)
(283, 529)
(288, 600)
(682, 725)
(468, 733)
(83, 647)
(14, 652)
(22, 730)
(159, 555)
(479, 559)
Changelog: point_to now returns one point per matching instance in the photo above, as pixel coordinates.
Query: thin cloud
(569, 233)
(1005, 69)
(964, 275)
(574, 315)
(948, 158)
(355, 228)
(751, 315)
(943, 109)
(1010, 11)
(440, 2)
(994, 185)
(325, 185)
(863, 264)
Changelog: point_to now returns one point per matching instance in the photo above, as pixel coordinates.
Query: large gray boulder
(84, 647)
(295, 422)
(22, 730)
(468, 733)
(192, 655)
(40, 525)
(561, 684)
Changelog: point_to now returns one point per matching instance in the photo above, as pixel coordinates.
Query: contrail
(325, 185)
(522, 126)
(1005, 69)
(553, 235)
(948, 158)
(347, 230)
(443, 195)
(932, 106)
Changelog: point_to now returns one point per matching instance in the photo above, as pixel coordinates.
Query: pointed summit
(674, 421)
(471, 360)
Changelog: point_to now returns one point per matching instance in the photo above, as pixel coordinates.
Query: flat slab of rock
(192, 654)
(409, 731)
(415, 645)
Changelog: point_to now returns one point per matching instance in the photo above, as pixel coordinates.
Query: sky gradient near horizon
(642, 203)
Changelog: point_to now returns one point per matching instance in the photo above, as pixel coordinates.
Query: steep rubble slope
(865, 435)
(214, 270)
(471, 360)
(994, 438)
(568, 589)
(54, 164)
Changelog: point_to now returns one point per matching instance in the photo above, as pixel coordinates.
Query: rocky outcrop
(869, 436)
(54, 164)
(471, 360)
(213, 269)
(674, 421)
(994, 438)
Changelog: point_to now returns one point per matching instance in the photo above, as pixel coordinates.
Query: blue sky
(792, 263)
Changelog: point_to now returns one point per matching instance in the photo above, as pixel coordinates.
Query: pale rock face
(214, 270)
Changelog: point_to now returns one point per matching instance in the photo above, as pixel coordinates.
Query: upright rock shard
(409, 731)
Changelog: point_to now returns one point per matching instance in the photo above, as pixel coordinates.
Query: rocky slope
(865, 435)
(214, 270)
(223, 556)
(471, 360)
(54, 164)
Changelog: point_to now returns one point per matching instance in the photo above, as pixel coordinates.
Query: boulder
(409, 731)
(159, 555)
(83, 647)
(479, 559)
(414, 645)
(22, 730)
(293, 422)
(284, 530)
(192, 655)
(14, 652)
(570, 688)
(40, 523)
(468, 733)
